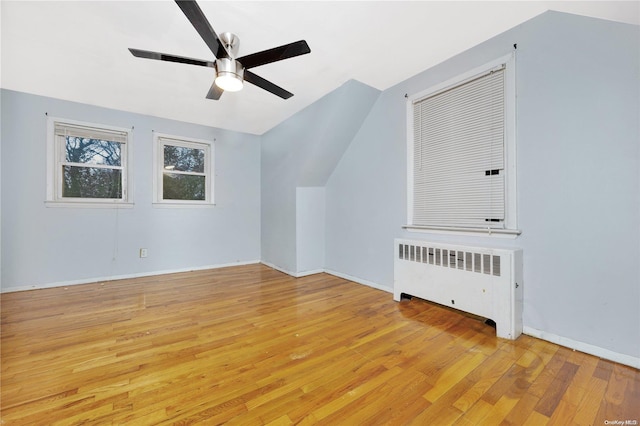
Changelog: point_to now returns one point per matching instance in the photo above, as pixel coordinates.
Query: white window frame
(510, 229)
(55, 160)
(161, 139)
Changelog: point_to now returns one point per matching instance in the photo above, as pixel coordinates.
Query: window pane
(92, 151)
(91, 182)
(183, 159)
(183, 187)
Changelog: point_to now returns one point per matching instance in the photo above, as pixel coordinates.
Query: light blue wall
(578, 160)
(303, 152)
(44, 245)
(579, 163)
(310, 229)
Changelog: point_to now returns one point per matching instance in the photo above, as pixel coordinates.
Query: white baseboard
(125, 276)
(293, 274)
(330, 272)
(359, 280)
(583, 347)
(277, 268)
(307, 273)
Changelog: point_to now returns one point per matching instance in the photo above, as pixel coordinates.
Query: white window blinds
(65, 129)
(458, 158)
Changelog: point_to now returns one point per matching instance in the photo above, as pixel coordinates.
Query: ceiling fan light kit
(230, 72)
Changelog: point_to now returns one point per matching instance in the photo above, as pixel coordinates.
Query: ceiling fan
(231, 72)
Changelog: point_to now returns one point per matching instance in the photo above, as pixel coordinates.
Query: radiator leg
(490, 322)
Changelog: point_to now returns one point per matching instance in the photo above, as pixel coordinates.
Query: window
(461, 152)
(87, 164)
(182, 170)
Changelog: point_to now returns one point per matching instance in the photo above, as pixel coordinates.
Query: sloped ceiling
(77, 50)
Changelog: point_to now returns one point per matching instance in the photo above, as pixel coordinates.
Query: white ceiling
(77, 50)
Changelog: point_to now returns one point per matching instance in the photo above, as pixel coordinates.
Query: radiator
(483, 281)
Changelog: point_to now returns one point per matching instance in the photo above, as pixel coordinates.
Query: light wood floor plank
(249, 345)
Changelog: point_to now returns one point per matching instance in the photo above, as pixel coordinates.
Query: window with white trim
(461, 152)
(183, 170)
(87, 164)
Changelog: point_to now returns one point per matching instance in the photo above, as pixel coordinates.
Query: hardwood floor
(249, 345)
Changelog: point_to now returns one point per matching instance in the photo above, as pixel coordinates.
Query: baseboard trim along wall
(124, 277)
(277, 268)
(293, 274)
(307, 273)
(330, 272)
(583, 347)
(359, 280)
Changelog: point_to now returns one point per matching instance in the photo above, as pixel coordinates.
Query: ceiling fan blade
(266, 85)
(170, 58)
(194, 14)
(276, 54)
(214, 92)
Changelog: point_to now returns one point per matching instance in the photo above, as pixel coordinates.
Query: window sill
(89, 204)
(169, 205)
(482, 232)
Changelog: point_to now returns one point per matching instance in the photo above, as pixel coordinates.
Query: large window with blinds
(87, 163)
(461, 152)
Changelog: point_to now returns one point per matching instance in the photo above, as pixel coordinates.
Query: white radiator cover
(483, 281)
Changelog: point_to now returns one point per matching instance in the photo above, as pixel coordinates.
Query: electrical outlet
(143, 252)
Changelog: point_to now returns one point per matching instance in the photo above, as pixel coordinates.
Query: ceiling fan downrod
(231, 43)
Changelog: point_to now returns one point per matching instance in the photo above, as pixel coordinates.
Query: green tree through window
(183, 170)
(92, 168)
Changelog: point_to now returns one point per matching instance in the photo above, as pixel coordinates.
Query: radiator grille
(481, 263)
